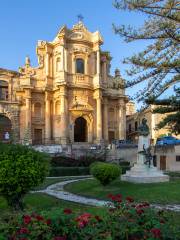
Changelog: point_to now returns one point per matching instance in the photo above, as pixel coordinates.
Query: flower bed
(125, 220)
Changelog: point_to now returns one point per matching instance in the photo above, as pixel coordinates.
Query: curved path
(57, 190)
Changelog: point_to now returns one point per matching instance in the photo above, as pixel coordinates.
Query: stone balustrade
(80, 79)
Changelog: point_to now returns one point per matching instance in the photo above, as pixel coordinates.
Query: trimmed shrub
(21, 169)
(68, 171)
(105, 172)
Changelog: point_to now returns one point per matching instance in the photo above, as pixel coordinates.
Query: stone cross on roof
(80, 17)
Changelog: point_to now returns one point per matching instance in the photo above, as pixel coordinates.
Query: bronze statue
(148, 156)
(143, 129)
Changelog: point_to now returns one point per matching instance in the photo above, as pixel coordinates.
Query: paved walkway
(57, 190)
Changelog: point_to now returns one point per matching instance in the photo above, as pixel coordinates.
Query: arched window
(79, 65)
(58, 61)
(37, 110)
(3, 90)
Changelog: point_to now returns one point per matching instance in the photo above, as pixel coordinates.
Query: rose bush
(126, 220)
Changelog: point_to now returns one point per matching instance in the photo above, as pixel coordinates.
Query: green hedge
(173, 174)
(83, 161)
(68, 171)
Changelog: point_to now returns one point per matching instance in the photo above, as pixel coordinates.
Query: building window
(79, 65)
(178, 158)
(129, 127)
(3, 90)
(136, 126)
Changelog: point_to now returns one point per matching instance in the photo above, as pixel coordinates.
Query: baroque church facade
(69, 97)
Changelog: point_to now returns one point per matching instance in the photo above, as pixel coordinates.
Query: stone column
(105, 120)
(122, 121)
(99, 116)
(27, 131)
(47, 64)
(104, 72)
(73, 64)
(47, 118)
(64, 118)
(86, 65)
(65, 60)
(10, 90)
(98, 62)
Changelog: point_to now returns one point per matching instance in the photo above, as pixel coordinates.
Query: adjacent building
(134, 119)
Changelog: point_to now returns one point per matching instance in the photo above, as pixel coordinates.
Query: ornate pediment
(78, 32)
(79, 27)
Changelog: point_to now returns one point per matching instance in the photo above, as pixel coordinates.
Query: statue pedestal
(140, 172)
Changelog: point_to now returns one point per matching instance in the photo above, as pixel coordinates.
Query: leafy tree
(159, 64)
(171, 106)
(21, 168)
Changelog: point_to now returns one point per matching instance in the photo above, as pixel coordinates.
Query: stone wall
(128, 154)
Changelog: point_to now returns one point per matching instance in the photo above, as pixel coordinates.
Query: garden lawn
(163, 193)
(39, 202)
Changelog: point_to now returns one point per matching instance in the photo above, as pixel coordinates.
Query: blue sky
(23, 23)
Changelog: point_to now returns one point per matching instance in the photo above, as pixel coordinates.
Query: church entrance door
(80, 130)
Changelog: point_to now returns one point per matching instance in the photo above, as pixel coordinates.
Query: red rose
(23, 230)
(67, 211)
(139, 211)
(81, 224)
(48, 221)
(26, 219)
(146, 204)
(60, 238)
(39, 218)
(129, 199)
(156, 232)
(83, 219)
